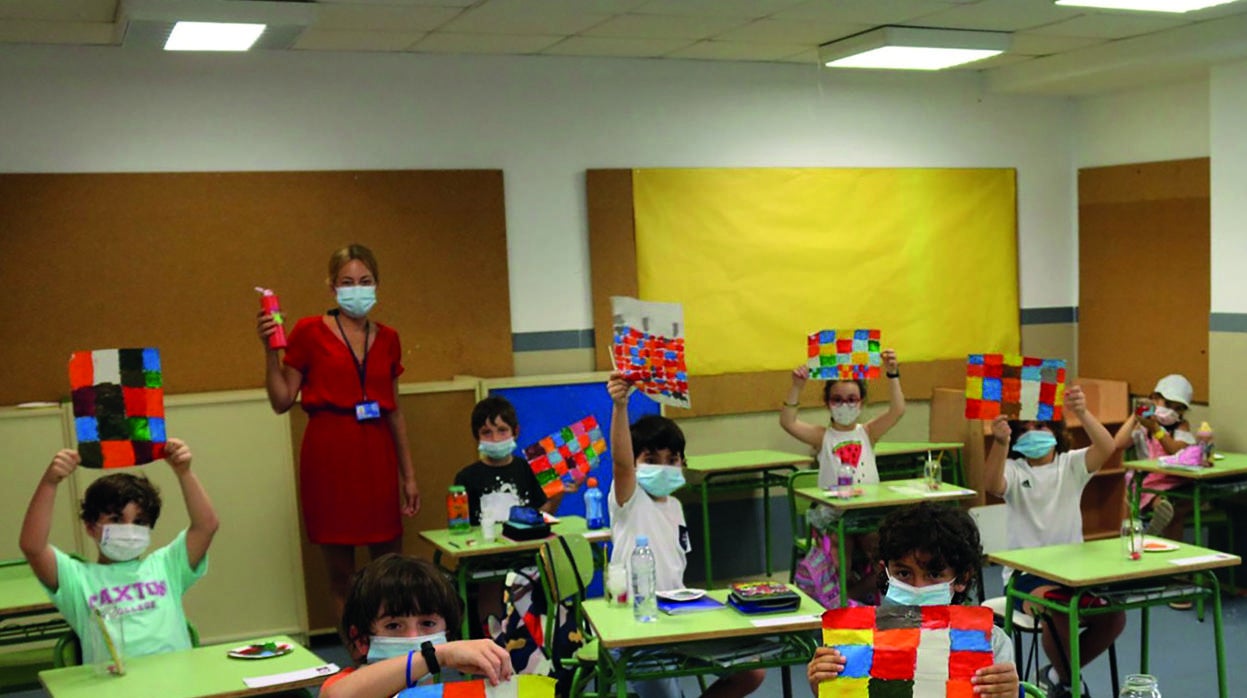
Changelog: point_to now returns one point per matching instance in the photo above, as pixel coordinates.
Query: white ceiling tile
(808, 57)
(506, 17)
(605, 7)
(1001, 15)
(391, 18)
(25, 31)
(994, 62)
(744, 9)
(407, 3)
(1028, 44)
(313, 39)
(603, 46)
(447, 42)
(660, 27)
(1110, 25)
(737, 51)
(788, 31)
(61, 10)
(865, 11)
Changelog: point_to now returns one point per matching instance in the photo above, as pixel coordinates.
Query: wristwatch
(430, 657)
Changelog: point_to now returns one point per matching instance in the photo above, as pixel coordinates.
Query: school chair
(992, 521)
(796, 517)
(1032, 691)
(565, 564)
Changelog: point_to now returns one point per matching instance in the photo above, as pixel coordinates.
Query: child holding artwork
(400, 607)
(495, 427)
(1160, 429)
(139, 599)
(1031, 467)
(648, 460)
(846, 441)
(930, 555)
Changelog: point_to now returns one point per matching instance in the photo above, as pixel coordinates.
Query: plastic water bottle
(595, 515)
(644, 582)
(844, 481)
(1140, 686)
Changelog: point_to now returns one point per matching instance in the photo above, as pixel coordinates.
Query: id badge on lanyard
(365, 409)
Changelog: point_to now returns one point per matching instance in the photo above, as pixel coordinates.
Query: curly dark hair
(947, 534)
(403, 586)
(111, 493)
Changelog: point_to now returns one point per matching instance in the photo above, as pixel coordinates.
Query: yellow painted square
(844, 688)
(974, 387)
(848, 636)
(861, 358)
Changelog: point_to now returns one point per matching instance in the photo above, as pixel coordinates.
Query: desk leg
(843, 572)
(1217, 630)
(1199, 540)
(1144, 627)
(705, 526)
(766, 519)
(785, 673)
(1075, 644)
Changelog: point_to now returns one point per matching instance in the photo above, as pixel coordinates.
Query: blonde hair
(344, 256)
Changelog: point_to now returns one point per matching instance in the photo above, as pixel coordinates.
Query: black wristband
(894, 375)
(430, 658)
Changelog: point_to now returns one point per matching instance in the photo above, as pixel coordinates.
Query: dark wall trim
(1227, 322)
(548, 341)
(1049, 316)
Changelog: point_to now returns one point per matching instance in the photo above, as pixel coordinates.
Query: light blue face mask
(496, 450)
(382, 648)
(659, 480)
(356, 301)
(908, 595)
(1035, 444)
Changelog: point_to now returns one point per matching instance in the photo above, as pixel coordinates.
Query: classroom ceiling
(1056, 50)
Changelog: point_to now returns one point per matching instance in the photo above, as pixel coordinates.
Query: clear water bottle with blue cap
(644, 582)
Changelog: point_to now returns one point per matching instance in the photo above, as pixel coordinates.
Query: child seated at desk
(1160, 430)
(139, 599)
(929, 554)
(1031, 467)
(395, 625)
(648, 461)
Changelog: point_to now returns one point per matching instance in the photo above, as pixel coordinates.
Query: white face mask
(381, 648)
(846, 414)
(1167, 416)
(124, 542)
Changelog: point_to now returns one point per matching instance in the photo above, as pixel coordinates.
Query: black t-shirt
(481, 479)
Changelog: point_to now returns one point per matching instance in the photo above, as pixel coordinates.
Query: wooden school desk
(1207, 483)
(202, 672)
(937, 449)
(737, 471)
(616, 629)
(1101, 567)
(476, 559)
(875, 500)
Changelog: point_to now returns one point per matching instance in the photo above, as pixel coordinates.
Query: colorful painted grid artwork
(567, 455)
(119, 407)
(520, 686)
(844, 354)
(907, 651)
(648, 346)
(1019, 387)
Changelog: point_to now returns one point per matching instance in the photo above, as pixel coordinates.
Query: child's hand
(178, 455)
(826, 665)
(481, 657)
(569, 487)
(996, 680)
(1000, 430)
(265, 325)
(63, 463)
(800, 375)
(890, 364)
(1075, 400)
(619, 388)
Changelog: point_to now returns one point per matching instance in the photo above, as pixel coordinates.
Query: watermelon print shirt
(852, 447)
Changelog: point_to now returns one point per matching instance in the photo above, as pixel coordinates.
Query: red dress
(348, 470)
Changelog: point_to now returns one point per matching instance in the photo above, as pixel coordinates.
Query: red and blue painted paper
(567, 455)
(907, 651)
(648, 348)
(119, 409)
(1019, 387)
(844, 354)
(520, 686)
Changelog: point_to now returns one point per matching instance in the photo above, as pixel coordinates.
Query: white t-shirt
(1044, 502)
(661, 522)
(847, 444)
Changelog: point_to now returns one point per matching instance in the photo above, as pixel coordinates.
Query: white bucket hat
(1175, 387)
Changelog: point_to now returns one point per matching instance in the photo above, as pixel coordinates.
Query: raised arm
(880, 425)
(1122, 439)
(808, 434)
(1102, 443)
(280, 381)
(38, 522)
(406, 471)
(204, 522)
(481, 657)
(623, 463)
(994, 466)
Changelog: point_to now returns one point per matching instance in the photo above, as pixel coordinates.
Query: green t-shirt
(141, 600)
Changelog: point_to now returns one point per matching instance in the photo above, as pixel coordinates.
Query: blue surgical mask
(356, 301)
(659, 480)
(381, 648)
(908, 595)
(1035, 444)
(496, 450)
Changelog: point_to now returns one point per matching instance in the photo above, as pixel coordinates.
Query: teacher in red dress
(355, 473)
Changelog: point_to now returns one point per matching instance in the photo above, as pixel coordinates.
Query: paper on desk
(1200, 558)
(784, 620)
(321, 671)
(922, 491)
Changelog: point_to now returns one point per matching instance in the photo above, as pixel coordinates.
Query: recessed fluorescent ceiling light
(912, 48)
(213, 36)
(1147, 5)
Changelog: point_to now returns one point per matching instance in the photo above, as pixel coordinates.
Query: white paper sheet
(321, 671)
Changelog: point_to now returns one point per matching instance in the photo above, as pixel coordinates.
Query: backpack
(522, 631)
(816, 573)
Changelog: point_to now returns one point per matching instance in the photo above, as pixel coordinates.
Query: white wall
(543, 120)
(1165, 122)
(1229, 173)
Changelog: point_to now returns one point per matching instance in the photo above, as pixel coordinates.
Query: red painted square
(962, 665)
(935, 617)
(1031, 361)
(136, 401)
(117, 454)
(970, 617)
(155, 402)
(1047, 393)
(858, 618)
(898, 639)
(464, 689)
(959, 689)
(81, 370)
(898, 664)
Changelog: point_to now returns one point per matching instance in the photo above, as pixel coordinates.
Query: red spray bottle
(270, 304)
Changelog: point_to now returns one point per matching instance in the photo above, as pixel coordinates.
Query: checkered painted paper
(648, 346)
(520, 686)
(119, 409)
(907, 651)
(844, 354)
(567, 456)
(1019, 387)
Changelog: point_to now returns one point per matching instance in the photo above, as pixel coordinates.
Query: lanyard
(361, 367)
